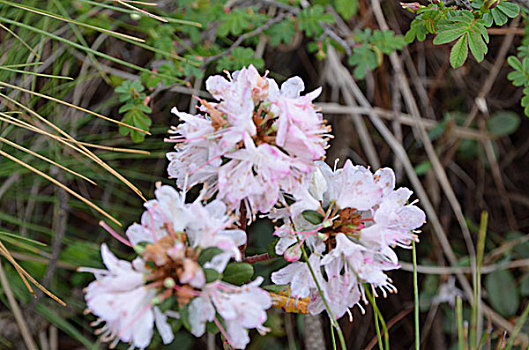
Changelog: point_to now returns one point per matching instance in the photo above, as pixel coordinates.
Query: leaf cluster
(131, 94)
(371, 46)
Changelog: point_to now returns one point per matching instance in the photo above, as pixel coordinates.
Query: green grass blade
(87, 49)
(416, 297)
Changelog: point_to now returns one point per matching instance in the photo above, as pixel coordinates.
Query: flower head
(351, 219)
(253, 145)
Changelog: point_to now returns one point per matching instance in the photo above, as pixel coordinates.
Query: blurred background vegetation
(458, 138)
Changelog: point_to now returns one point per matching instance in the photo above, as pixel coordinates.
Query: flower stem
(333, 338)
(334, 323)
(416, 298)
(378, 315)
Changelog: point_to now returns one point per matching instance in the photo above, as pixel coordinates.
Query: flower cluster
(183, 252)
(349, 219)
(252, 146)
(258, 149)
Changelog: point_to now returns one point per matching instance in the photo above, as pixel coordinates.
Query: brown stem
(258, 258)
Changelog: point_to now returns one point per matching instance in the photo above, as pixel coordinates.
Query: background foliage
(458, 137)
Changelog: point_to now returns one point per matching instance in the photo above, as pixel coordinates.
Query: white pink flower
(253, 145)
(204, 225)
(119, 298)
(353, 219)
(241, 308)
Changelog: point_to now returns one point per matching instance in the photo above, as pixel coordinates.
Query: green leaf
(448, 35)
(211, 275)
(207, 254)
(477, 46)
(239, 57)
(282, 32)
(499, 17)
(459, 52)
(312, 216)
(237, 273)
(520, 76)
(309, 20)
(423, 168)
(502, 292)
(346, 8)
(234, 22)
(509, 9)
(503, 123)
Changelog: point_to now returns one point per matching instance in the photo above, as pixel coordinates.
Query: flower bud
(169, 283)
(411, 6)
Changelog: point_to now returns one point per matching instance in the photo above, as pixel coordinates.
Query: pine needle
(74, 106)
(73, 193)
(141, 10)
(13, 144)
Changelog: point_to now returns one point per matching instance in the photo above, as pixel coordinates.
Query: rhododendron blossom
(352, 219)
(257, 149)
(128, 296)
(253, 145)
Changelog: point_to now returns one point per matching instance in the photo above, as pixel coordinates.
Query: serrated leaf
(499, 17)
(459, 52)
(502, 292)
(309, 20)
(237, 273)
(282, 32)
(476, 45)
(503, 123)
(448, 35)
(239, 57)
(509, 9)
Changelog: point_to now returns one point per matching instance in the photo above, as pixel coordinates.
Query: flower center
(348, 222)
(168, 261)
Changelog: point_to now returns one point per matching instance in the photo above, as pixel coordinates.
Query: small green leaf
(423, 168)
(207, 254)
(283, 32)
(211, 275)
(503, 123)
(459, 52)
(346, 8)
(312, 216)
(502, 292)
(237, 273)
(309, 20)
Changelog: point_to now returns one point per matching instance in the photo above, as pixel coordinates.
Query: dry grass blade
(140, 10)
(85, 151)
(73, 193)
(110, 148)
(20, 39)
(65, 141)
(34, 73)
(17, 313)
(76, 107)
(143, 3)
(8, 256)
(13, 144)
(23, 65)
